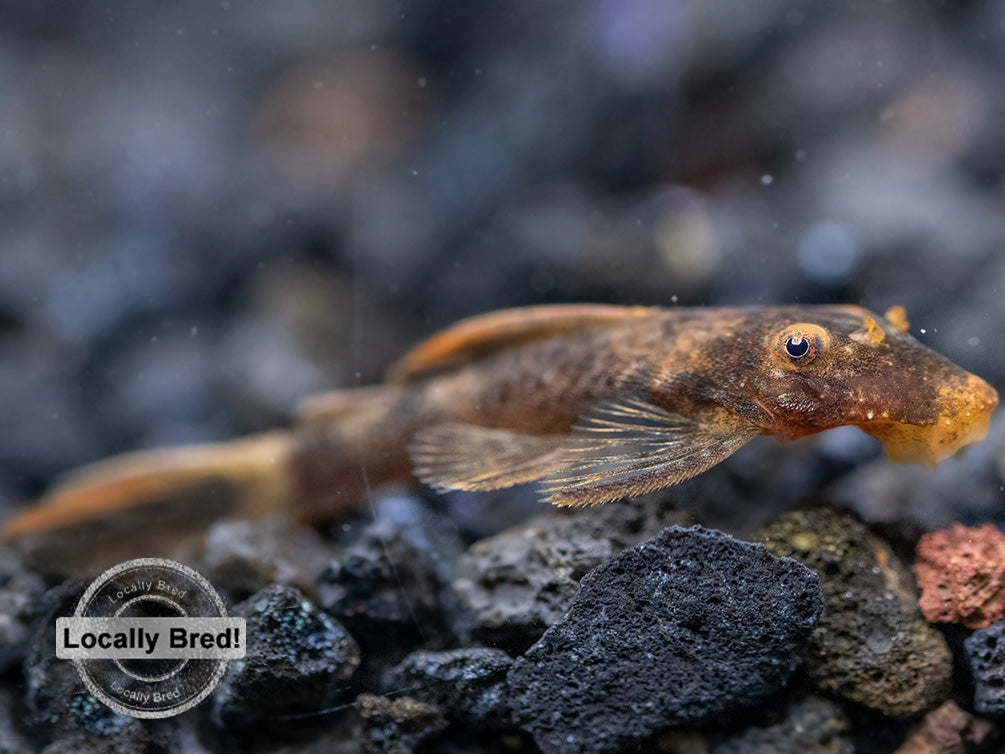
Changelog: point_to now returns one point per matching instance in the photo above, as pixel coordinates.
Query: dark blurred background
(211, 208)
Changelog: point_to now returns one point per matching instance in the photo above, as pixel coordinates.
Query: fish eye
(797, 346)
(801, 344)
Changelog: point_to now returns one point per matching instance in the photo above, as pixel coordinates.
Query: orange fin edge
(490, 333)
(256, 464)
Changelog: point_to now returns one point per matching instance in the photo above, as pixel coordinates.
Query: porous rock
(961, 572)
(243, 557)
(985, 650)
(81, 743)
(513, 586)
(871, 645)
(298, 660)
(384, 590)
(60, 710)
(949, 730)
(398, 726)
(810, 726)
(12, 741)
(20, 594)
(469, 684)
(679, 629)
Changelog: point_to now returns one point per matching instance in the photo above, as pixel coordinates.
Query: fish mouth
(963, 417)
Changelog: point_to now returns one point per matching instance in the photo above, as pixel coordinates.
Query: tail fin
(144, 502)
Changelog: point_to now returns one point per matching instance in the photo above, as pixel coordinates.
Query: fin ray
(466, 457)
(633, 447)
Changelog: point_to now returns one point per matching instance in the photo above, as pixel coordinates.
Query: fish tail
(159, 503)
(166, 490)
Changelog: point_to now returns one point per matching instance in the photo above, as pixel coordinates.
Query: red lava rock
(961, 572)
(948, 730)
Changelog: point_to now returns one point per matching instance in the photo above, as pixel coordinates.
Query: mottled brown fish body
(694, 383)
(592, 402)
(536, 388)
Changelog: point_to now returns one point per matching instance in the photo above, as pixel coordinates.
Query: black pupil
(797, 346)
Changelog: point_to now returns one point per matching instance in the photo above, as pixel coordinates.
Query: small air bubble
(673, 299)
(767, 179)
(973, 341)
(923, 331)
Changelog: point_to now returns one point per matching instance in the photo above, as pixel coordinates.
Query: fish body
(642, 398)
(592, 402)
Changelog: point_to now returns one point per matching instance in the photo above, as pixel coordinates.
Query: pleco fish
(593, 402)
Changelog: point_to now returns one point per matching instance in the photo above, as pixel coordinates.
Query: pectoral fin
(620, 449)
(632, 447)
(465, 457)
(490, 333)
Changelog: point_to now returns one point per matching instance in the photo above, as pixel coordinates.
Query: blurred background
(212, 208)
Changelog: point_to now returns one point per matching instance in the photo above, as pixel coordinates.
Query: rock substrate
(678, 629)
(872, 645)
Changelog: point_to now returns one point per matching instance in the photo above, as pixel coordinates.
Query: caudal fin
(142, 504)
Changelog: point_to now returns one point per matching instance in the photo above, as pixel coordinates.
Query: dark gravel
(678, 629)
(985, 650)
(468, 684)
(209, 211)
(299, 661)
(872, 645)
(810, 726)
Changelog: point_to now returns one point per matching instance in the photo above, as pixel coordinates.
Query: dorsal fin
(490, 333)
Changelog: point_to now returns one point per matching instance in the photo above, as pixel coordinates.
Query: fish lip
(963, 419)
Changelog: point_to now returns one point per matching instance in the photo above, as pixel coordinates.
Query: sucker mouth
(963, 419)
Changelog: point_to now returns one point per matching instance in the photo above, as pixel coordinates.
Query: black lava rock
(243, 557)
(811, 726)
(513, 586)
(985, 650)
(60, 711)
(469, 684)
(385, 591)
(397, 727)
(11, 739)
(871, 645)
(20, 594)
(299, 660)
(679, 629)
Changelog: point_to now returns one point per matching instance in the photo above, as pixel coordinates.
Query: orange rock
(961, 572)
(948, 730)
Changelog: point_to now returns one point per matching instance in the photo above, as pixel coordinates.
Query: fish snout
(961, 417)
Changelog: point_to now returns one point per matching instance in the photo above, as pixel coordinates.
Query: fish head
(828, 366)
